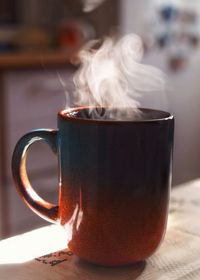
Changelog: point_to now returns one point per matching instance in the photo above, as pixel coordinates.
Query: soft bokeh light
(171, 221)
(90, 5)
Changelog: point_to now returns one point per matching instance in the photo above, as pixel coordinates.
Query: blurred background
(38, 43)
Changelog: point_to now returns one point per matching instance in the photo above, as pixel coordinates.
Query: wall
(182, 98)
(48, 13)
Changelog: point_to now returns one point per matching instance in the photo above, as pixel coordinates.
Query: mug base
(135, 264)
(108, 262)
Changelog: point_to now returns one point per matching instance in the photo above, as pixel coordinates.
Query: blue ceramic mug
(114, 181)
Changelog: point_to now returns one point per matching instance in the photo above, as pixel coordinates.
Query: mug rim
(67, 114)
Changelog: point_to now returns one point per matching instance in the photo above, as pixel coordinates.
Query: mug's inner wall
(100, 113)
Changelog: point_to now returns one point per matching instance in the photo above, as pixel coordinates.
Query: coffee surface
(116, 114)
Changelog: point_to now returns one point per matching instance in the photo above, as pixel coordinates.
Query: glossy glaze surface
(114, 185)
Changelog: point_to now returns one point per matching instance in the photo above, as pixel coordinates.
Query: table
(41, 254)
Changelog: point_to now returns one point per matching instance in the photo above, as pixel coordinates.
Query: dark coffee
(114, 114)
(114, 181)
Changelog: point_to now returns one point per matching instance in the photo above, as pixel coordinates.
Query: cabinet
(32, 100)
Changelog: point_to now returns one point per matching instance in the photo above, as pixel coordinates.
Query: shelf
(19, 60)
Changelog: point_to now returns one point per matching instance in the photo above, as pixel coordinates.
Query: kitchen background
(38, 40)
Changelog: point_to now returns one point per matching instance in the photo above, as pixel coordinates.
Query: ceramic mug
(114, 182)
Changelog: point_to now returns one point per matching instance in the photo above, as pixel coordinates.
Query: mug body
(114, 179)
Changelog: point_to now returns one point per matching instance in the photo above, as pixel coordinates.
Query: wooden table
(41, 254)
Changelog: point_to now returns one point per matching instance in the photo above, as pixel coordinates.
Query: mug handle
(44, 209)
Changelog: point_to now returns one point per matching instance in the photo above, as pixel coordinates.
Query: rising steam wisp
(112, 76)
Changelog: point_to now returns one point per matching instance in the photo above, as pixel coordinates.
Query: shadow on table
(100, 272)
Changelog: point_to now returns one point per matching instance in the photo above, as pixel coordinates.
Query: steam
(90, 5)
(113, 76)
